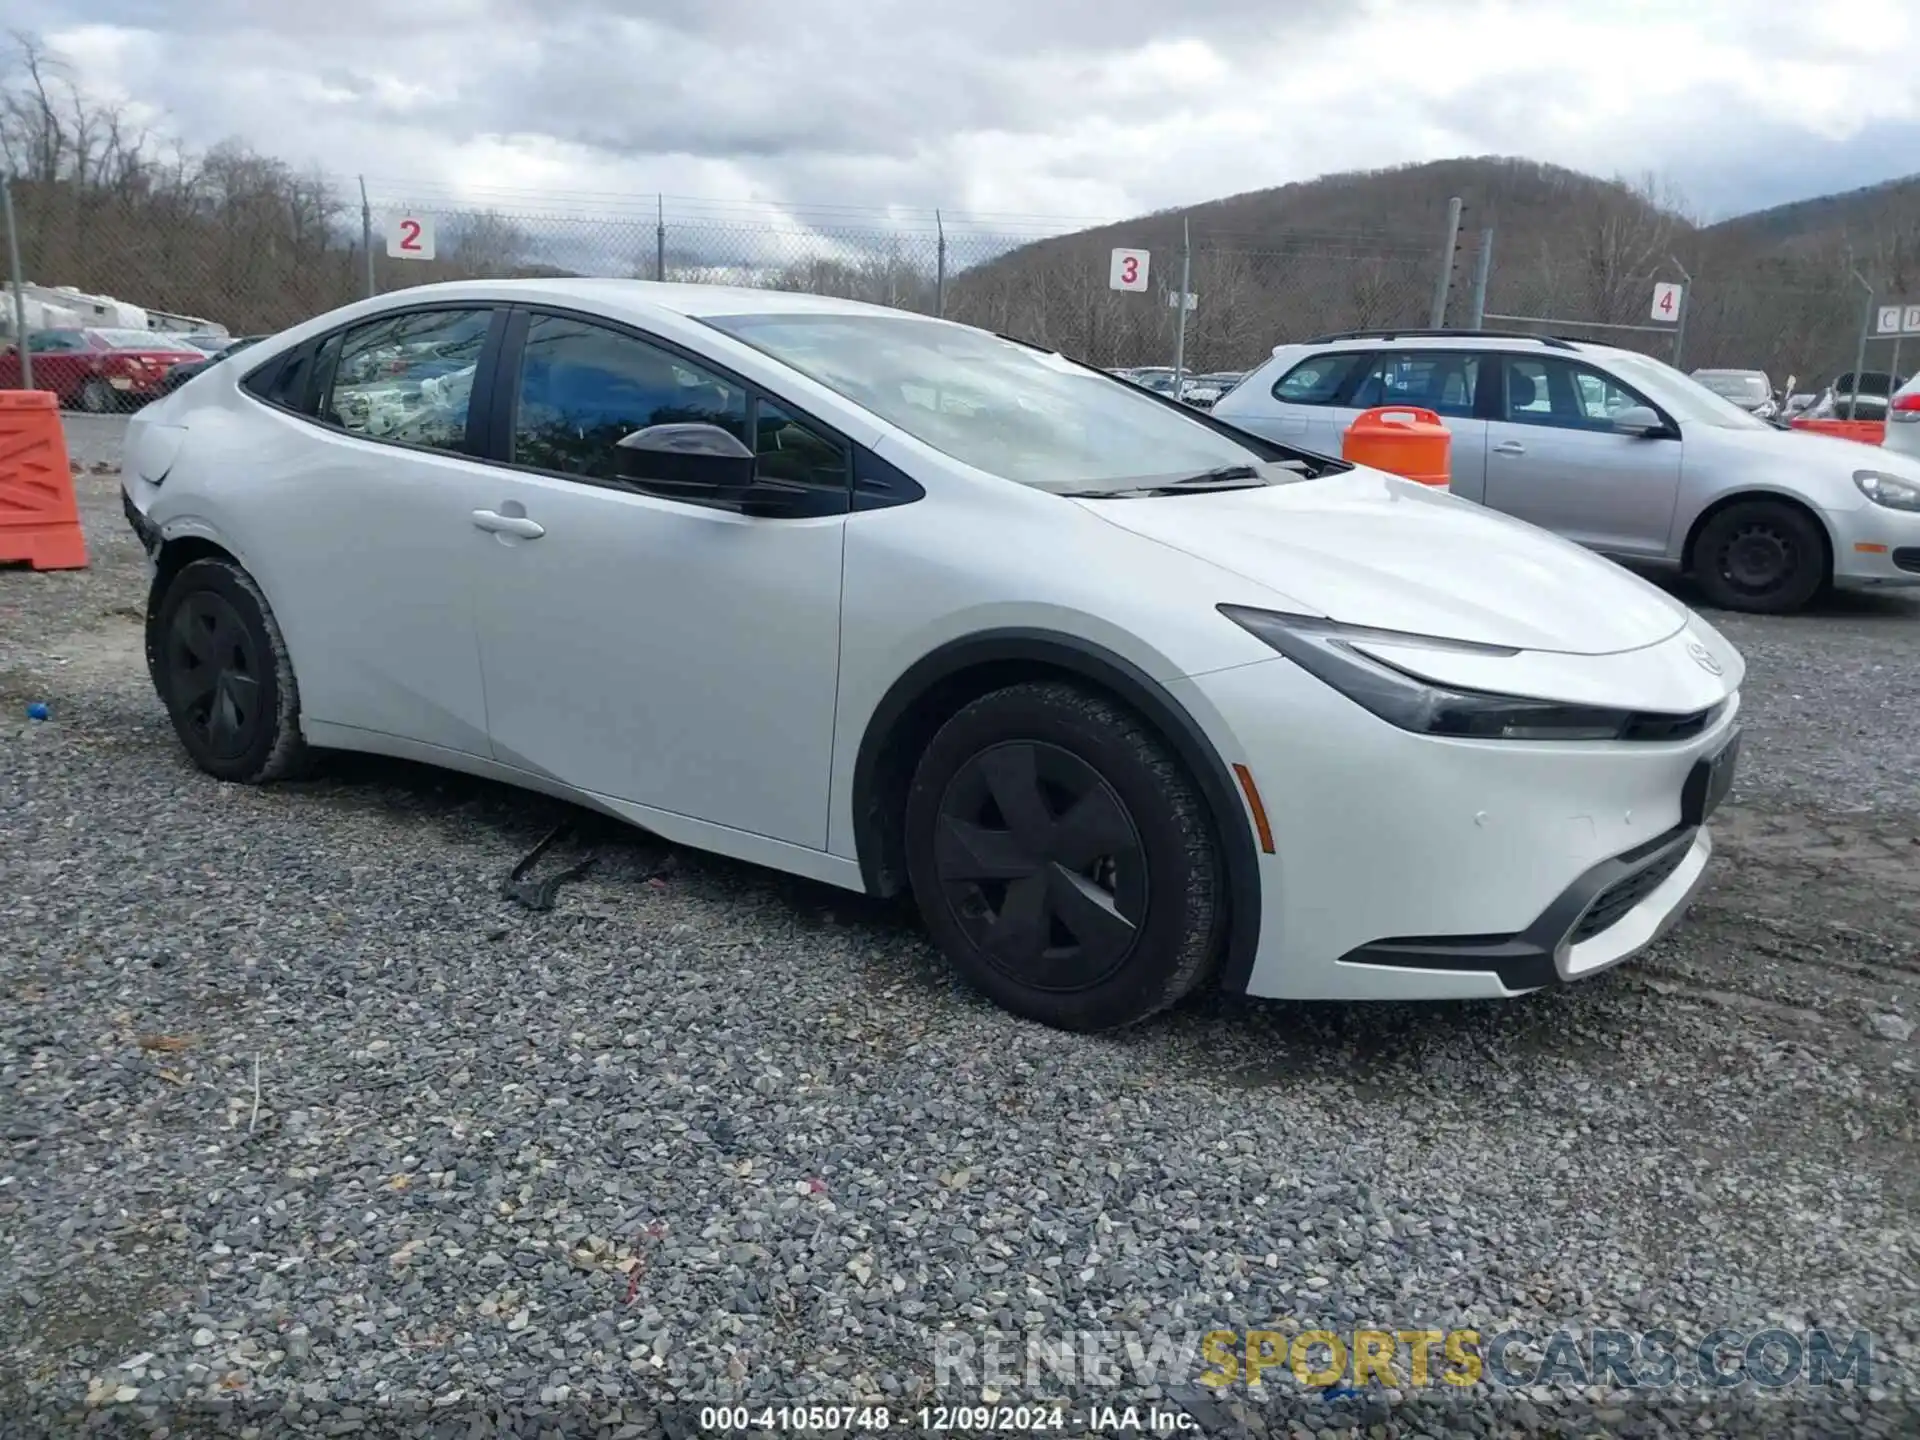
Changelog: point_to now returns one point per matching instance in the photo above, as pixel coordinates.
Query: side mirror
(1638, 420)
(692, 459)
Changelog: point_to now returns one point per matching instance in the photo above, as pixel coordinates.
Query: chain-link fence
(253, 247)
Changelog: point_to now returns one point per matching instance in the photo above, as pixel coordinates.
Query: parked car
(1202, 391)
(902, 605)
(1157, 378)
(179, 374)
(1903, 425)
(1844, 400)
(98, 370)
(1618, 451)
(1751, 390)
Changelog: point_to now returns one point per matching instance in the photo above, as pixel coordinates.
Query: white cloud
(1074, 108)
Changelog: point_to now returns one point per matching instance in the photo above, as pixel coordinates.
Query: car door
(367, 548)
(1445, 381)
(59, 362)
(676, 653)
(1302, 406)
(1555, 460)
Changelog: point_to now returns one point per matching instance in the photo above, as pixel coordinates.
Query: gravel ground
(301, 1118)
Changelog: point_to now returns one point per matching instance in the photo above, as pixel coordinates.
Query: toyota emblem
(1703, 657)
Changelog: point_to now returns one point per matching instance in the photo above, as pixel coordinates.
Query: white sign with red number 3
(410, 237)
(1666, 301)
(1128, 270)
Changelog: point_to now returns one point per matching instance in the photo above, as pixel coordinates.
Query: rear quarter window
(1317, 380)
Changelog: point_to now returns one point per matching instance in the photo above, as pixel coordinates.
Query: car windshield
(133, 340)
(1682, 396)
(999, 406)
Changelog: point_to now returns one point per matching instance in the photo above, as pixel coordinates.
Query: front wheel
(97, 397)
(1063, 859)
(1761, 556)
(222, 670)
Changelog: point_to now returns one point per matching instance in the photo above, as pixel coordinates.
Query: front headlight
(1327, 650)
(1888, 490)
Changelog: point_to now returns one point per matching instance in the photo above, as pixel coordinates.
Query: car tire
(222, 670)
(1063, 859)
(1764, 557)
(98, 398)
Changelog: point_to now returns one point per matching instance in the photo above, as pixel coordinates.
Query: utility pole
(1686, 304)
(1482, 270)
(940, 267)
(19, 295)
(1443, 285)
(366, 236)
(1186, 299)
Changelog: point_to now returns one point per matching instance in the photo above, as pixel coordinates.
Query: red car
(98, 370)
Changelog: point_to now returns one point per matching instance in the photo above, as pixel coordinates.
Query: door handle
(498, 524)
(1509, 447)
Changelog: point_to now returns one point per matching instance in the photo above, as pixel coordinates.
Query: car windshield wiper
(1221, 477)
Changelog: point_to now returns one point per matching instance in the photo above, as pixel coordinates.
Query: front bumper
(1875, 547)
(1407, 867)
(1609, 914)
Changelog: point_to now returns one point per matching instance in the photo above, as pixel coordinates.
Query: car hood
(1809, 447)
(1366, 548)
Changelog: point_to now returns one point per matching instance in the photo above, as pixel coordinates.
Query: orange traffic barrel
(1867, 432)
(39, 518)
(1402, 440)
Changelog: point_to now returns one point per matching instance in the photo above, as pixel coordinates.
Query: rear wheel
(97, 397)
(1063, 859)
(222, 669)
(1761, 556)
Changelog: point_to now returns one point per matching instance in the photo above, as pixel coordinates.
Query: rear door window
(1442, 381)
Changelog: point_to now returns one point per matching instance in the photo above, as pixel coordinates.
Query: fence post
(660, 237)
(1686, 304)
(1180, 321)
(1443, 286)
(1482, 268)
(19, 295)
(940, 267)
(366, 236)
(1860, 351)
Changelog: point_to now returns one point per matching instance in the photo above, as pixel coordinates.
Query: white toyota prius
(1127, 699)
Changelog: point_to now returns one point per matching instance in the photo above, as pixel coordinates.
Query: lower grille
(1907, 557)
(1620, 897)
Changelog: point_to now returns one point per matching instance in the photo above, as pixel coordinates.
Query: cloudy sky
(1045, 108)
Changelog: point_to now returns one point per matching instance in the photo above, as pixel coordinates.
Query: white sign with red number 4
(410, 237)
(1666, 301)
(1128, 270)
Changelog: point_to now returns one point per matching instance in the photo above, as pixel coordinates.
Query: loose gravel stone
(715, 1133)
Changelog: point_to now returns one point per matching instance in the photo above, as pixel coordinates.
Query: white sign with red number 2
(1666, 301)
(410, 237)
(1128, 270)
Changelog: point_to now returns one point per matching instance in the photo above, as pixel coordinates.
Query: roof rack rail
(1558, 342)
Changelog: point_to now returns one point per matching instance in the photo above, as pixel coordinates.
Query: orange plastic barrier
(39, 519)
(1402, 440)
(1867, 432)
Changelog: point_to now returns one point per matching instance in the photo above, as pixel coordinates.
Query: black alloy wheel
(1763, 556)
(1041, 865)
(221, 668)
(1063, 859)
(214, 667)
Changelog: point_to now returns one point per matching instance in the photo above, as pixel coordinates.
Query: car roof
(694, 301)
(1456, 340)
